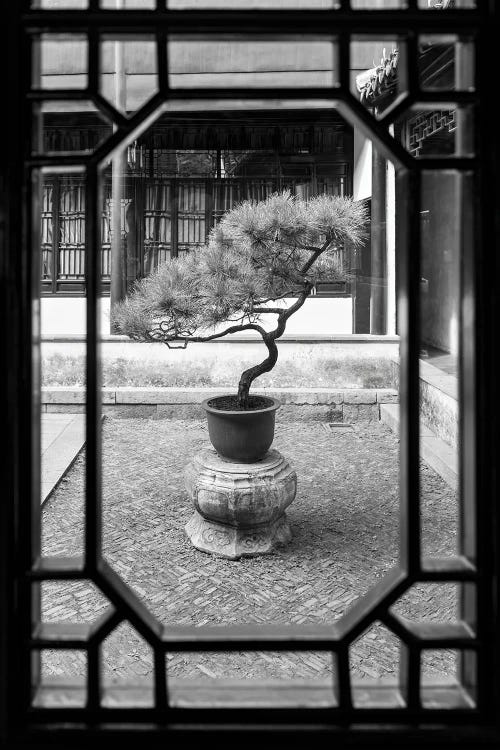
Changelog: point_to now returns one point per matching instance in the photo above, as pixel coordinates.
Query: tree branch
(314, 257)
(263, 300)
(311, 248)
(231, 329)
(285, 314)
(274, 310)
(269, 339)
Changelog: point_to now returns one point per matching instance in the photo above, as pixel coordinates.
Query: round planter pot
(243, 436)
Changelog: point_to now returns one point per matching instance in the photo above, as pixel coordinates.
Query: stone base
(222, 540)
(239, 508)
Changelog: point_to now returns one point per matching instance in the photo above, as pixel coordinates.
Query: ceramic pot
(243, 436)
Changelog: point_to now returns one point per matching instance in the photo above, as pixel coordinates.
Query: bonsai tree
(259, 254)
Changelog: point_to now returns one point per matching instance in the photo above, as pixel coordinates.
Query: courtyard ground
(345, 537)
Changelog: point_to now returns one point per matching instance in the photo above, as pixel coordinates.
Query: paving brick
(126, 411)
(335, 414)
(344, 520)
(361, 412)
(180, 411)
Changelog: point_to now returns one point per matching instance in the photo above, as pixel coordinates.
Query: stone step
(63, 437)
(435, 452)
(438, 400)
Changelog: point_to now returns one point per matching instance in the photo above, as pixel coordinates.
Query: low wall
(307, 361)
(318, 404)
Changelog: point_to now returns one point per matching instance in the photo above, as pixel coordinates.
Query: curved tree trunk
(269, 340)
(249, 375)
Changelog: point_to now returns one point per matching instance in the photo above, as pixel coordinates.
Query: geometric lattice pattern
(376, 606)
(427, 124)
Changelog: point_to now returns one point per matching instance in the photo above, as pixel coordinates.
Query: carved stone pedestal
(239, 508)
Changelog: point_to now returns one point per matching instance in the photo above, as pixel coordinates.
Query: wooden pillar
(378, 245)
(118, 280)
(118, 265)
(131, 246)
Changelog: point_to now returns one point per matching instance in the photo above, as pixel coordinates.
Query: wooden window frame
(23, 725)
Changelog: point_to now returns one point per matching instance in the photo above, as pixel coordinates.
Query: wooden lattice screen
(426, 715)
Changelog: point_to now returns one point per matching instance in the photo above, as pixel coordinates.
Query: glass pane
(430, 602)
(234, 63)
(443, 245)
(59, 4)
(445, 4)
(59, 252)
(378, 72)
(128, 4)
(63, 676)
(309, 678)
(71, 601)
(374, 663)
(449, 691)
(250, 4)
(71, 126)
(126, 659)
(128, 72)
(60, 61)
(446, 63)
(377, 4)
(427, 131)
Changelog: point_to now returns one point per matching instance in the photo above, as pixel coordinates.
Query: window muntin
(457, 568)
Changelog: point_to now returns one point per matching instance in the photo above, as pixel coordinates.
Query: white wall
(320, 315)
(362, 174)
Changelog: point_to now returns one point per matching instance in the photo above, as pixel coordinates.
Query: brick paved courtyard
(345, 527)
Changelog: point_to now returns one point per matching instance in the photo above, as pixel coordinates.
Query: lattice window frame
(473, 568)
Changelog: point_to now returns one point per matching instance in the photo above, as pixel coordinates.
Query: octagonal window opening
(163, 197)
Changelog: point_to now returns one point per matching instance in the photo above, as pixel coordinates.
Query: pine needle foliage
(259, 253)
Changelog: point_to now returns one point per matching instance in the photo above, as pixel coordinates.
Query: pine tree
(259, 253)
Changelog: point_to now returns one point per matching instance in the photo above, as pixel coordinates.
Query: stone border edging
(60, 455)
(435, 377)
(334, 405)
(195, 395)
